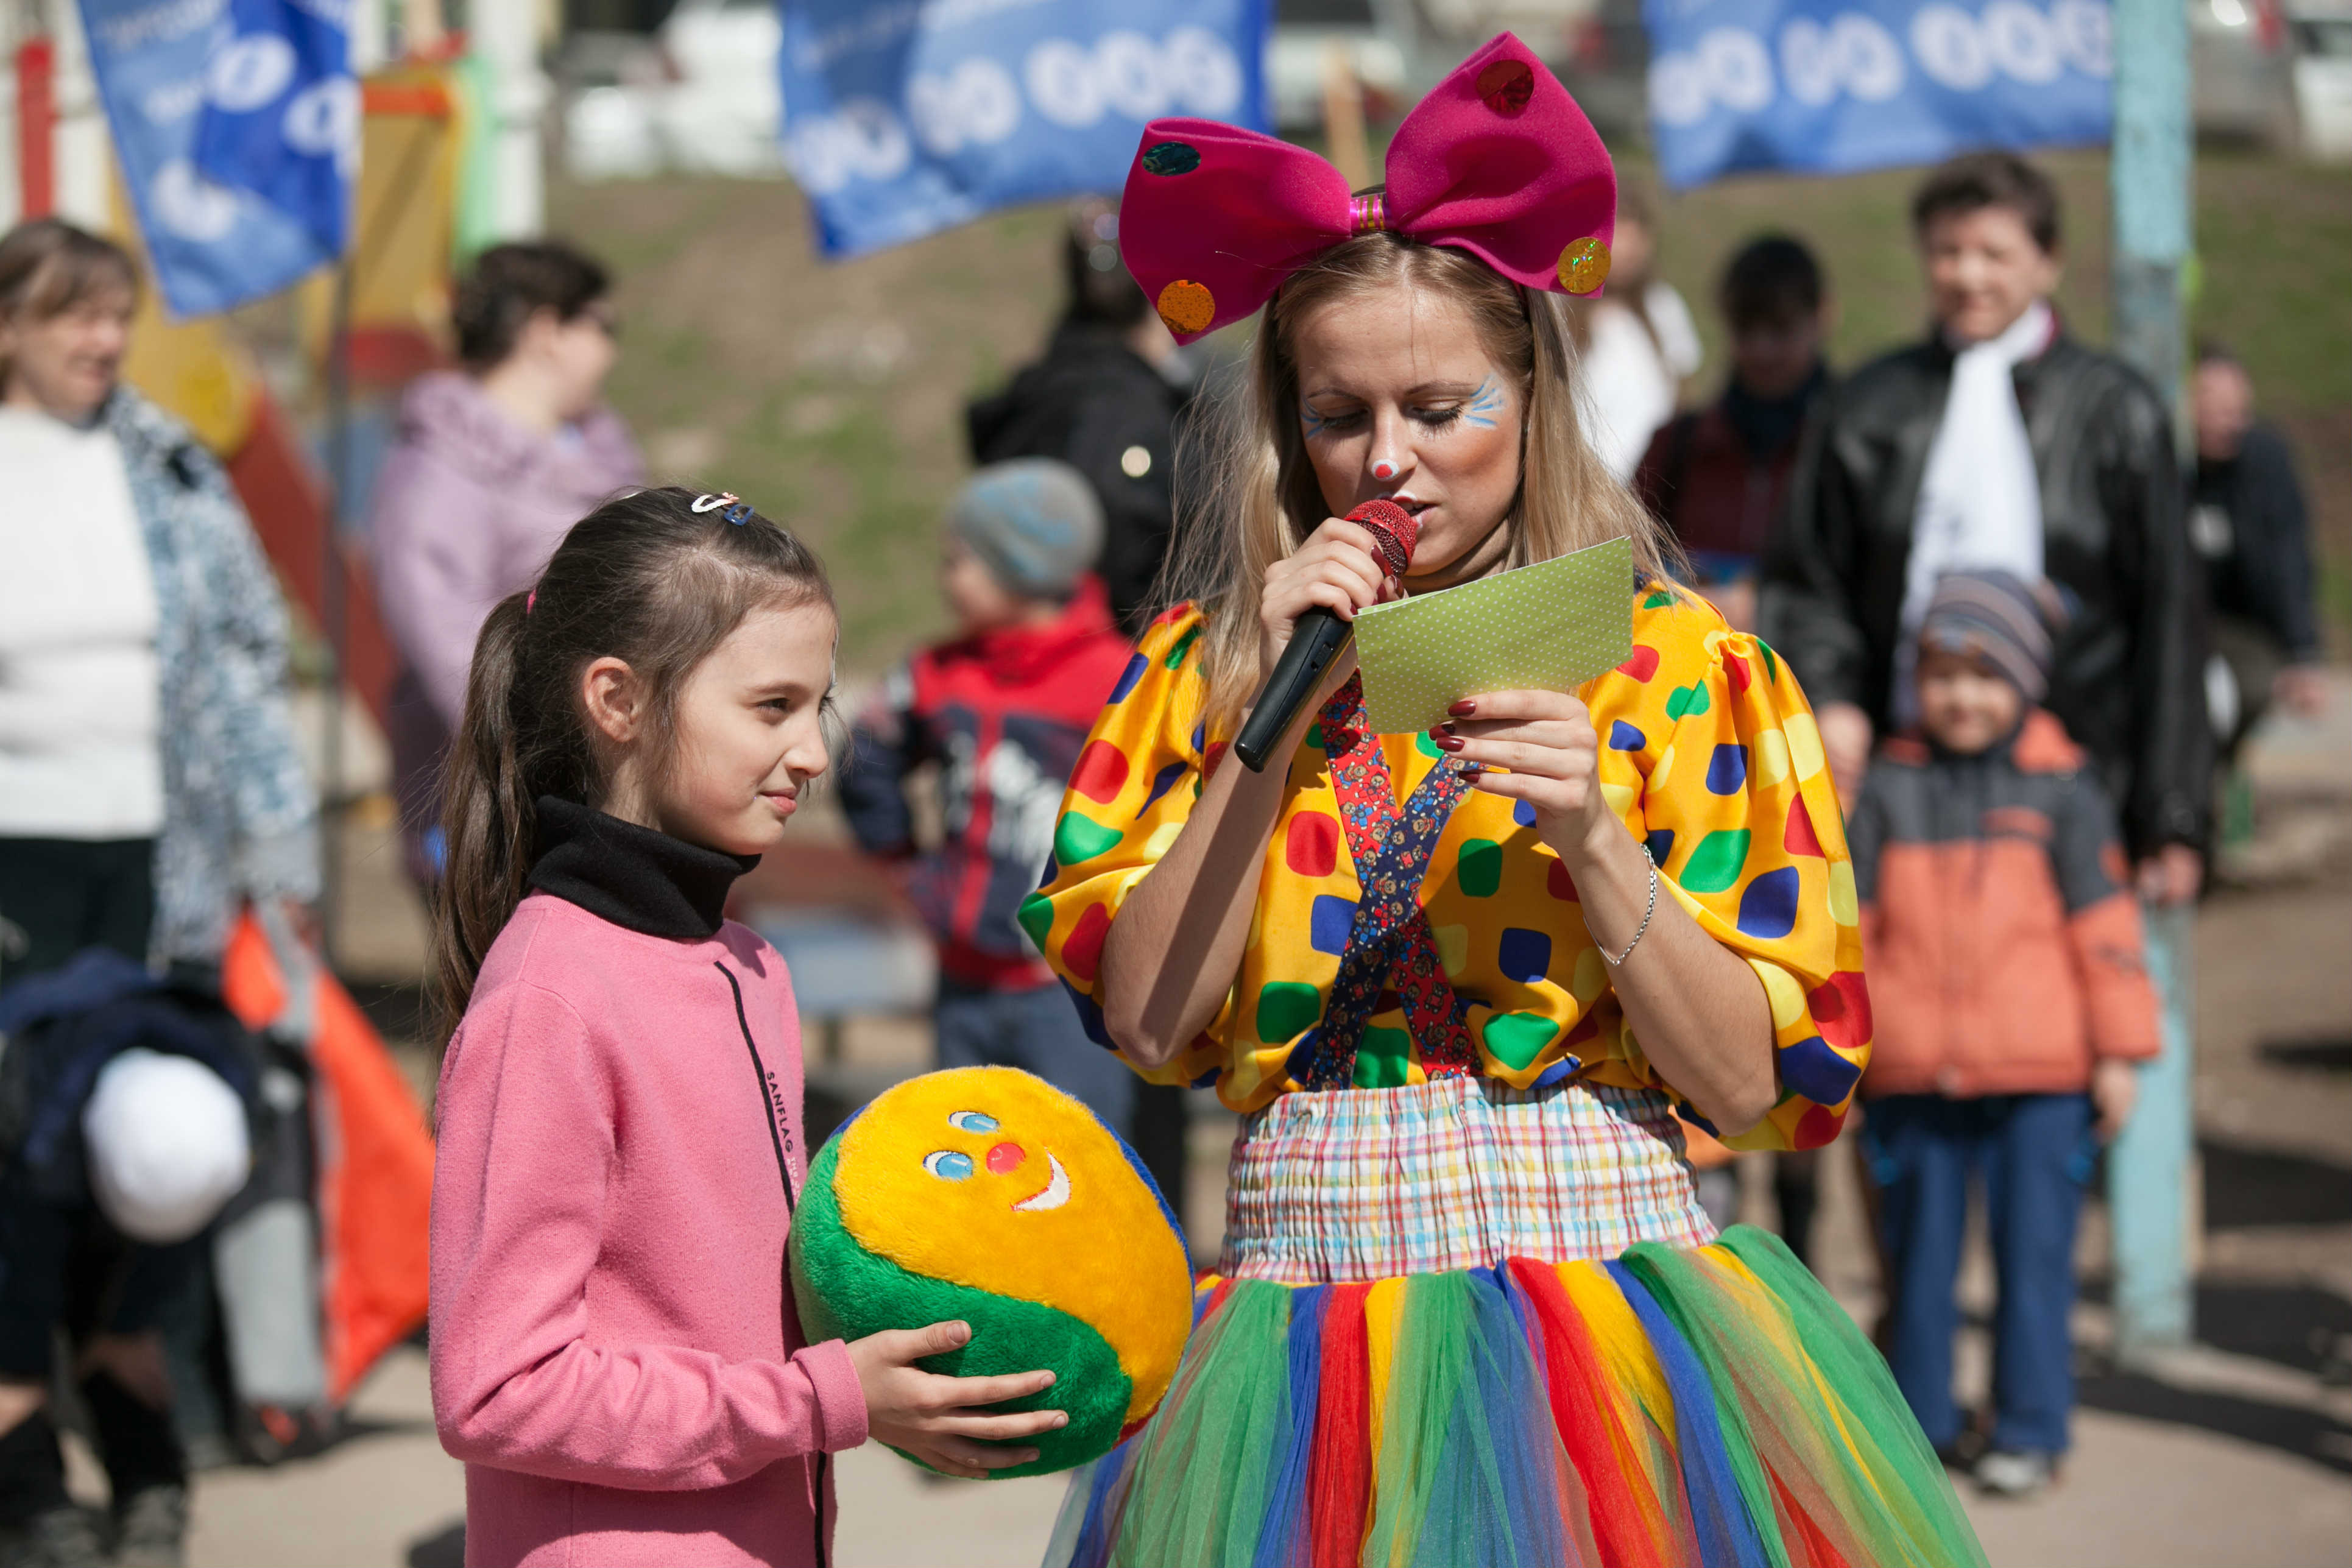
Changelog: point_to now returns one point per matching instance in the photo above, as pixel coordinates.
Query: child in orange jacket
(2011, 1003)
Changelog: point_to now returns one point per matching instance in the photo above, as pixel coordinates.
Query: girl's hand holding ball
(937, 1419)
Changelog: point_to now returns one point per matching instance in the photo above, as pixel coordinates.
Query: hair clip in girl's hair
(530, 601)
(738, 512)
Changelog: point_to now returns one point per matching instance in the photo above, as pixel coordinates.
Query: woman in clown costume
(1458, 983)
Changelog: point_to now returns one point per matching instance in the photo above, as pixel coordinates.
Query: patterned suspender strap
(1388, 942)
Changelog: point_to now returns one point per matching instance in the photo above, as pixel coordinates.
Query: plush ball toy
(989, 1195)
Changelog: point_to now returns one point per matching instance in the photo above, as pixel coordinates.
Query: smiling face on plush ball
(997, 1180)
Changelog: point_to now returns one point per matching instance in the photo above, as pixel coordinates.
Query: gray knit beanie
(1034, 520)
(1997, 616)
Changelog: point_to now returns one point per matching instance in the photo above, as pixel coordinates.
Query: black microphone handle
(1315, 639)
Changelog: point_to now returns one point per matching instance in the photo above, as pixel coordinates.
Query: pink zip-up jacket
(615, 1355)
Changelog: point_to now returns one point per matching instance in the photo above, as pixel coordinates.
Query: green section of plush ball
(847, 1292)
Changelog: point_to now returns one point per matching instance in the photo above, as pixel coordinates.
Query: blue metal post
(2148, 1170)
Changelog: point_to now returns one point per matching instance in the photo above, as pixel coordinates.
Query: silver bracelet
(1644, 926)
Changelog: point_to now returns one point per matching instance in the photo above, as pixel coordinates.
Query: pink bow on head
(1497, 161)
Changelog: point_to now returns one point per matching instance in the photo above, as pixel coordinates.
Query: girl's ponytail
(489, 817)
(656, 578)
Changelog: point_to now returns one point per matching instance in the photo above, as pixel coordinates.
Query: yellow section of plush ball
(990, 1178)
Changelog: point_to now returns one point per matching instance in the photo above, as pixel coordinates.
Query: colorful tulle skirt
(1673, 1406)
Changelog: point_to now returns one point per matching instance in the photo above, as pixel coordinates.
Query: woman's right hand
(1338, 568)
(937, 1419)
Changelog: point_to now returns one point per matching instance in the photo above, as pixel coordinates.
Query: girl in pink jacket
(615, 1354)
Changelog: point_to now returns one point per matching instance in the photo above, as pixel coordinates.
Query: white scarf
(1980, 501)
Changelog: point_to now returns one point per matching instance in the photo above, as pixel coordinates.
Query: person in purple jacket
(621, 1143)
(494, 462)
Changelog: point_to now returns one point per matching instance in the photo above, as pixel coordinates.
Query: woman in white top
(150, 779)
(1635, 344)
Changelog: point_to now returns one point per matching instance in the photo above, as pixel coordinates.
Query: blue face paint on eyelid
(1486, 405)
(1311, 421)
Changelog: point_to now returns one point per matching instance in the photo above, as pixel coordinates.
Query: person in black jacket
(2249, 526)
(1106, 399)
(2001, 442)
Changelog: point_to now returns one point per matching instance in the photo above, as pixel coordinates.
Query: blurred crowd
(2032, 631)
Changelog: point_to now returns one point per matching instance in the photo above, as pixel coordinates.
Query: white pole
(506, 37)
(17, 24)
(85, 157)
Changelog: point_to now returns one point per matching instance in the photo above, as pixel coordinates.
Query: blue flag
(902, 119)
(1834, 86)
(213, 244)
(282, 112)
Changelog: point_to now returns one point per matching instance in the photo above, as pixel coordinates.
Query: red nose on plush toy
(1005, 1157)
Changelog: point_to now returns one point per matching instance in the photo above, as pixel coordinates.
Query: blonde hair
(1257, 498)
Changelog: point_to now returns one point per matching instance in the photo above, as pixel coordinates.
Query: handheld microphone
(1315, 639)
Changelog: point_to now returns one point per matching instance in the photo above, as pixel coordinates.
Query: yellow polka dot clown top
(1708, 753)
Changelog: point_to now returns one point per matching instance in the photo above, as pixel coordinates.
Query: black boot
(40, 1527)
(147, 1471)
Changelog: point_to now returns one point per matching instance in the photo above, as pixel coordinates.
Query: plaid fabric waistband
(1458, 1172)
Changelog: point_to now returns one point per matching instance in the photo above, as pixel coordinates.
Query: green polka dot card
(1551, 627)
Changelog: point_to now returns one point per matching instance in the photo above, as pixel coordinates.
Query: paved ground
(2238, 1453)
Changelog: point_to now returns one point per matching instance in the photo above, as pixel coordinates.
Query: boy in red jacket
(2010, 1001)
(1002, 708)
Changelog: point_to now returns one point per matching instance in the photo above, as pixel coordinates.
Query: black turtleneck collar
(633, 876)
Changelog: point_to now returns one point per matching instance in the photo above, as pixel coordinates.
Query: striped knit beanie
(1996, 617)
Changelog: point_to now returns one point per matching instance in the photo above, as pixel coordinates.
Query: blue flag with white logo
(282, 112)
(214, 243)
(1834, 86)
(901, 120)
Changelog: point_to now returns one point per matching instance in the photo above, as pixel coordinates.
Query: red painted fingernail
(1464, 709)
(1445, 740)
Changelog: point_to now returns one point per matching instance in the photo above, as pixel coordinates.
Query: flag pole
(334, 605)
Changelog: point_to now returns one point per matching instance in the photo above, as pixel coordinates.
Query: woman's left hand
(1546, 741)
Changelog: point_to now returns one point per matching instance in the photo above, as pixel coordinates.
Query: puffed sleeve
(1744, 825)
(1129, 796)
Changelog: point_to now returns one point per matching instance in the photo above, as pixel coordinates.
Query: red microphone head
(1394, 528)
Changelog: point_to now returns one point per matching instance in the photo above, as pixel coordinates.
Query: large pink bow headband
(1497, 161)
